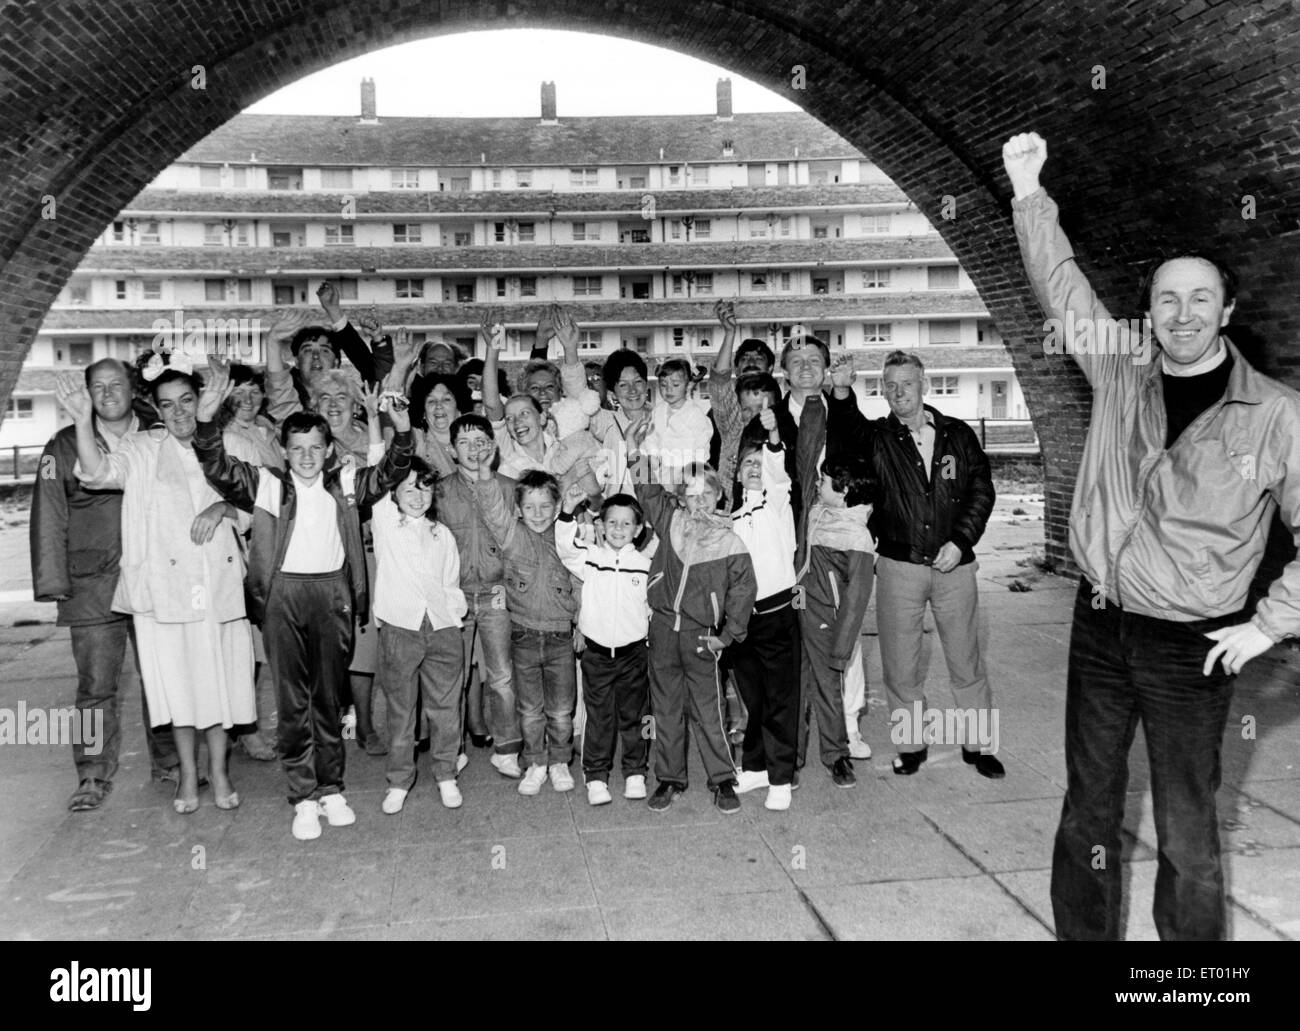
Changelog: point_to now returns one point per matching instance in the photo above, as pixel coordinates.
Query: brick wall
(1198, 110)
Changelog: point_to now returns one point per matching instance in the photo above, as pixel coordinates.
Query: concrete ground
(941, 855)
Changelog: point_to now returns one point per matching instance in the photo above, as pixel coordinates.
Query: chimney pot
(548, 103)
(724, 100)
(368, 110)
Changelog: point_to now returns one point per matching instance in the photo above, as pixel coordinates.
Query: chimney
(549, 116)
(724, 100)
(368, 115)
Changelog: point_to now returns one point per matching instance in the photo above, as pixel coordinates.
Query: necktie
(808, 449)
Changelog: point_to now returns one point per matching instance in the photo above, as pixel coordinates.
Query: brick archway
(1162, 116)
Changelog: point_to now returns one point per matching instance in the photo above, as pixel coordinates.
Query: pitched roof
(178, 261)
(328, 140)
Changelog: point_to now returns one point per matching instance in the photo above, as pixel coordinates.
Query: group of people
(492, 560)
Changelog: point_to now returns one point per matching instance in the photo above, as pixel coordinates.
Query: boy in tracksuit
(306, 578)
(542, 605)
(614, 619)
(701, 594)
(836, 580)
(766, 662)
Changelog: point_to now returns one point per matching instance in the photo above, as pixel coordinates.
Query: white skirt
(197, 674)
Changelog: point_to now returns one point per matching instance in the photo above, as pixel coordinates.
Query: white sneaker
(507, 766)
(598, 793)
(778, 797)
(634, 787)
(858, 749)
(394, 799)
(750, 780)
(533, 780)
(306, 820)
(462, 761)
(335, 808)
(561, 778)
(450, 793)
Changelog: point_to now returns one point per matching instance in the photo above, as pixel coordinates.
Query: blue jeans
(1125, 668)
(489, 621)
(428, 664)
(98, 651)
(546, 683)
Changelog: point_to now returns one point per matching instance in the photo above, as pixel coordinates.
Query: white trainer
(394, 799)
(306, 820)
(507, 766)
(634, 788)
(598, 793)
(750, 780)
(336, 810)
(533, 780)
(778, 797)
(561, 778)
(858, 749)
(462, 761)
(450, 793)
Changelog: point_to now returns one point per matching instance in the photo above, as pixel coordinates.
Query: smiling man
(1186, 462)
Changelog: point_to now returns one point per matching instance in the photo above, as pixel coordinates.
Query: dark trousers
(546, 691)
(616, 692)
(1125, 668)
(427, 666)
(684, 681)
(821, 685)
(99, 651)
(308, 637)
(766, 665)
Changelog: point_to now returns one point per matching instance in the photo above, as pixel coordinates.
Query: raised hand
(370, 395)
(328, 296)
(573, 497)
(215, 391)
(841, 370)
(725, 312)
(566, 331)
(546, 325)
(370, 327)
(767, 417)
(493, 330)
(73, 397)
(1023, 156)
(398, 410)
(404, 347)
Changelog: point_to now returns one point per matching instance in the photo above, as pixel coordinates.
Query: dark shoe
(423, 745)
(842, 773)
(724, 797)
(985, 765)
(907, 763)
(90, 794)
(664, 795)
(481, 740)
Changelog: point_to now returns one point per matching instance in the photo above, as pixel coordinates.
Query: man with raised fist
(1186, 461)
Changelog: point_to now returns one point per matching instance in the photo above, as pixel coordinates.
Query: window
(213, 234)
(79, 293)
(590, 339)
(20, 408)
(636, 182)
(586, 231)
(640, 290)
(876, 225)
(942, 277)
(241, 235)
(758, 281)
(704, 338)
(675, 229)
(239, 177)
(785, 282)
(281, 238)
(214, 289)
(524, 178)
(757, 227)
(244, 289)
(460, 183)
(877, 332)
(462, 238)
(464, 293)
(785, 225)
(80, 352)
(678, 285)
(679, 336)
(821, 285)
(945, 332)
(151, 289)
(704, 282)
(409, 288)
(210, 176)
(499, 232)
(728, 148)
(283, 294)
(336, 178)
(641, 345)
(347, 289)
(406, 232)
(703, 228)
(527, 232)
(119, 232)
(339, 236)
(119, 289)
(674, 175)
(406, 178)
(819, 232)
(496, 178)
(501, 286)
(700, 175)
(943, 386)
(150, 233)
(757, 174)
(284, 178)
(527, 286)
(875, 279)
(871, 387)
(820, 177)
(583, 178)
(633, 235)
(586, 286)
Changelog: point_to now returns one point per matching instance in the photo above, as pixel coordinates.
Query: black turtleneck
(1186, 397)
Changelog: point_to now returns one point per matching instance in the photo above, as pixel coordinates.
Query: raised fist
(1023, 156)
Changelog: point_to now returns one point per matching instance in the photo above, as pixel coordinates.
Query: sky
(499, 74)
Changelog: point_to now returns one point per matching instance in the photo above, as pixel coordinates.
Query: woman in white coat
(182, 576)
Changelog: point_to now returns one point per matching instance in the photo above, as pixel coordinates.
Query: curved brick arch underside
(1200, 107)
